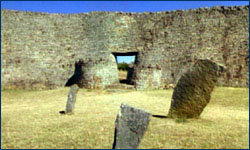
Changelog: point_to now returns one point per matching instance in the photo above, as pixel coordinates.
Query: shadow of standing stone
(193, 90)
(78, 74)
(130, 125)
(71, 99)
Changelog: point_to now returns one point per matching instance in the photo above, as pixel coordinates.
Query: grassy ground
(31, 119)
(122, 75)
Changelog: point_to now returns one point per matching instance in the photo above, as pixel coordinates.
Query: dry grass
(31, 119)
(122, 75)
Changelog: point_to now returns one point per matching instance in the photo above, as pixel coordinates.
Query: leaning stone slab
(192, 92)
(71, 99)
(130, 125)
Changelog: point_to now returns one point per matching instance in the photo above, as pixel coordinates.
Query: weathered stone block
(130, 125)
(71, 99)
(192, 92)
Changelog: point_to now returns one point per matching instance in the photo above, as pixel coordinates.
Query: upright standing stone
(130, 125)
(192, 92)
(71, 99)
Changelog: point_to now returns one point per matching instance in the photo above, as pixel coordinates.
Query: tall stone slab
(72, 99)
(130, 125)
(193, 90)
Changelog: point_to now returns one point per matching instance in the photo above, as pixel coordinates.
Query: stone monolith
(71, 99)
(193, 90)
(130, 126)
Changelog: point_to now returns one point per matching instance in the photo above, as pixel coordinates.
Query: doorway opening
(125, 64)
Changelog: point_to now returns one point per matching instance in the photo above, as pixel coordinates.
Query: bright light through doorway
(126, 59)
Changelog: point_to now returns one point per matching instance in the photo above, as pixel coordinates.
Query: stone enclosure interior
(40, 50)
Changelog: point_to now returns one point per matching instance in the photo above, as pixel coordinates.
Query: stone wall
(95, 75)
(39, 50)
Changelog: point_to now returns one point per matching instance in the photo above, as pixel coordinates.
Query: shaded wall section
(39, 50)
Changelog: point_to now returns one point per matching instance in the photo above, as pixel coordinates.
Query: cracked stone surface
(193, 90)
(71, 99)
(130, 126)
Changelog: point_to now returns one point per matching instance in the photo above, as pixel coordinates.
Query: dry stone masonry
(193, 90)
(91, 73)
(39, 50)
(130, 126)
